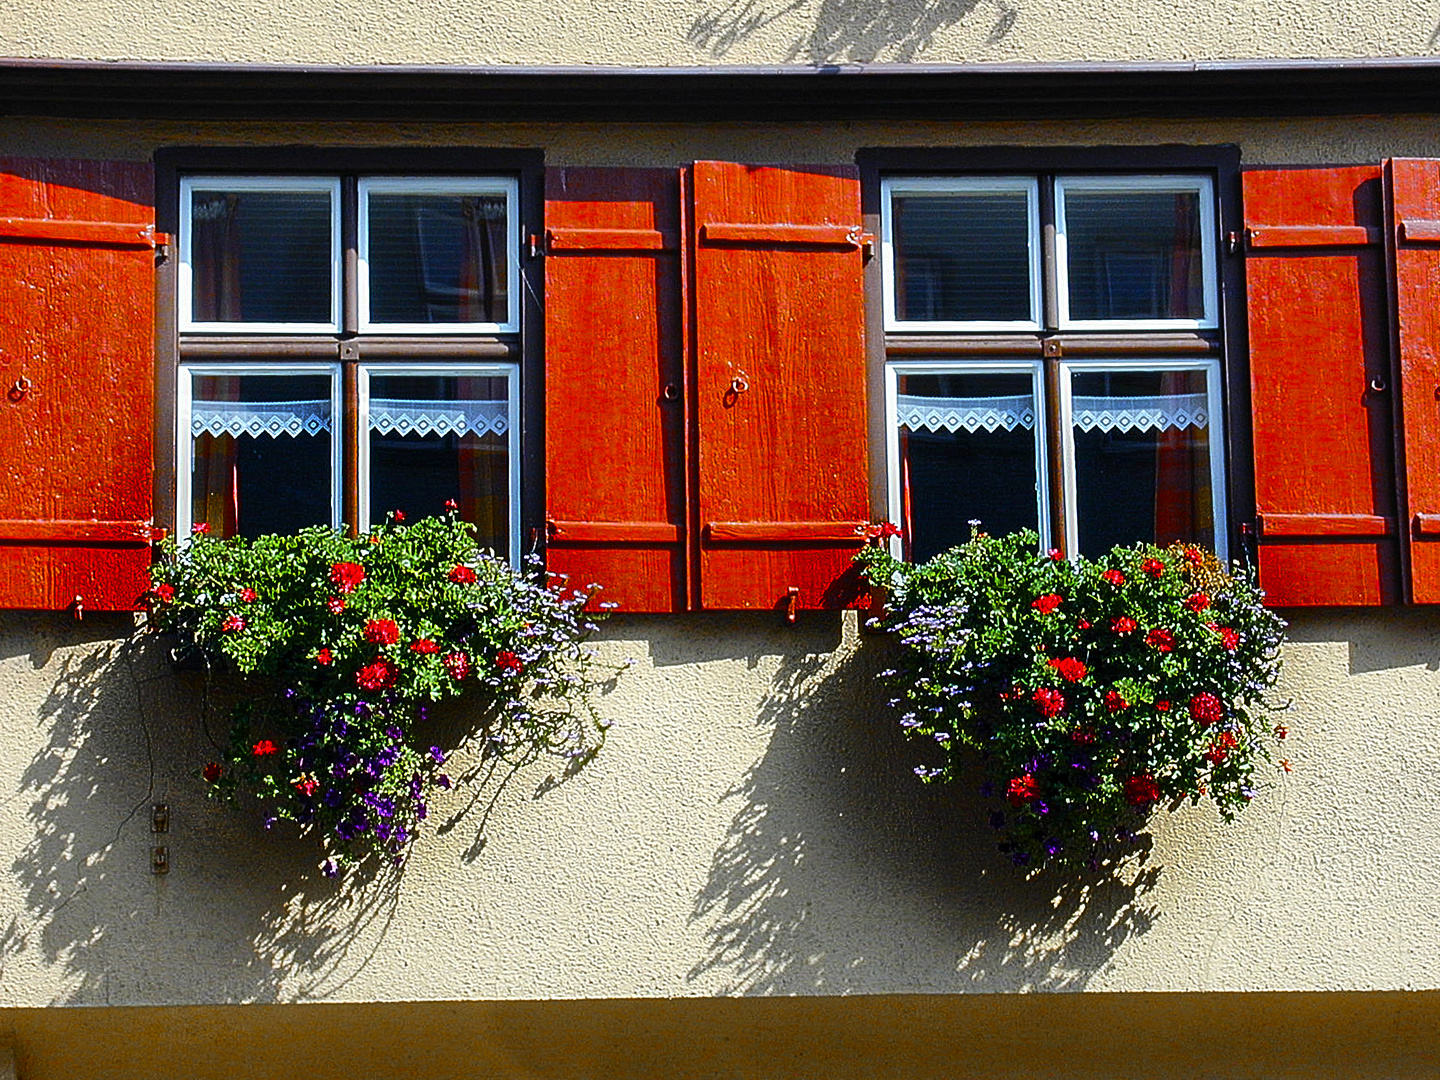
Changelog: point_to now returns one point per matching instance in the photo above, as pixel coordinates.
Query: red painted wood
(1419, 231)
(1325, 525)
(780, 382)
(786, 532)
(604, 532)
(1427, 525)
(81, 532)
(1281, 236)
(93, 233)
(79, 327)
(1318, 336)
(722, 232)
(557, 239)
(1414, 195)
(614, 440)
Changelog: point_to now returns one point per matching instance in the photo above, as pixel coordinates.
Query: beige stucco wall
(752, 827)
(690, 32)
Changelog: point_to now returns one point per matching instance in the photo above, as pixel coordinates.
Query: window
(1053, 358)
(348, 345)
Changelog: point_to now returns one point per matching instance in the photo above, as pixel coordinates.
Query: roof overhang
(192, 91)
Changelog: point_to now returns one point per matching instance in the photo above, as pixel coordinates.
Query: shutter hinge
(1232, 243)
(536, 246)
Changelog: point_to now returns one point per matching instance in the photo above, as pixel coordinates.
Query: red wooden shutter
(780, 384)
(614, 385)
(77, 386)
(1414, 236)
(1319, 374)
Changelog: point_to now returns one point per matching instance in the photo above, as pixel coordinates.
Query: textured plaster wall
(751, 828)
(689, 32)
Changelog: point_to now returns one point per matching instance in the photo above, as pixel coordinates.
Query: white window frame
(1178, 184)
(509, 372)
(940, 186)
(184, 439)
(1215, 403)
(185, 282)
(508, 188)
(893, 371)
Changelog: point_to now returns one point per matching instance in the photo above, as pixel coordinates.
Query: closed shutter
(1320, 393)
(77, 392)
(614, 385)
(780, 384)
(1414, 235)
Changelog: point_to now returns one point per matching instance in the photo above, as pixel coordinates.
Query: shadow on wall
(856, 31)
(243, 915)
(841, 873)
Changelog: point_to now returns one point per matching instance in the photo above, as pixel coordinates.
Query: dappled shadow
(242, 914)
(855, 31)
(841, 873)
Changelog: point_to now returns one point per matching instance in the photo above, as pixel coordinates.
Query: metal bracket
(1053, 347)
(78, 604)
(792, 603)
(160, 818)
(160, 859)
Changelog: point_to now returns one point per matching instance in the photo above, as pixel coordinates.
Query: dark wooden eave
(99, 90)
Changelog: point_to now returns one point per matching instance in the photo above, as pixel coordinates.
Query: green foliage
(1092, 691)
(342, 641)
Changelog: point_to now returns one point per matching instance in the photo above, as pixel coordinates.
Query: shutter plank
(1324, 453)
(780, 384)
(1413, 193)
(77, 449)
(614, 408)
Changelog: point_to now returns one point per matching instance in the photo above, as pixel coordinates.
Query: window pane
(962, 256)
(260, 256)
(1142, 458)
(967, 451)
(438, 258)
(435, 438)
(1134, 254)
(261, 447)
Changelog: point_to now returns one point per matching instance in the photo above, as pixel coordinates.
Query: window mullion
(350, 460)
(350, 242)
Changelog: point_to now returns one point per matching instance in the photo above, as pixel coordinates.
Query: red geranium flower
(200, 528)
(1082, 624)
(457, 664)
(211, 772)
(1123, 625)
(1083, 735)
(1207, 709)
(424, 646)
(1161, 640)
(1022, 789)
(1114, 577)
(163, 592)
(451, 505)
(1142, 791)
(1047, 603)
(1056, 555)
(1153, 567)
(1281, 731)
(1115, 701)
(1163, 705)
(1194, 556)
(379, 674)
(1070, 669)
(232, 624)
(1051, 702)
(347, 575)
(324, 657)
(336, 605)
(1197, 602)
(399, 516)
(382, 632)
(463, 575)
(1228, 637)
(248, 595)
(306, 786)
(265, 747)
(1215, 756)
(506, 660)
